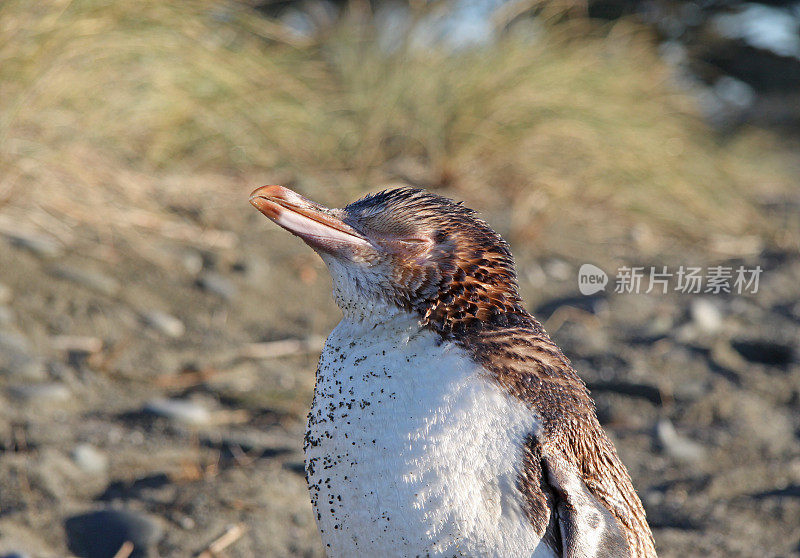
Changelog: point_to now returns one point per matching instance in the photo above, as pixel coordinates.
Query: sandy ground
(141, 373)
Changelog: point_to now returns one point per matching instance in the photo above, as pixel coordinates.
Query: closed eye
(415, 240)
(407, 246)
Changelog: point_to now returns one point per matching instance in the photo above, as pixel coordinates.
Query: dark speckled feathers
(468, 279)
(465, 288)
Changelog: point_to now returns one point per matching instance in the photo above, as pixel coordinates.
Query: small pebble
(535, 275)
(179, 410)
(192, 261)
(93, 280)
(217, 284)
(677, 445)
(100, 534)
(90, 459)
(705, 315)
(38, 244)
(164, 323)
(17, 359)
(40, 394)
(558, 269)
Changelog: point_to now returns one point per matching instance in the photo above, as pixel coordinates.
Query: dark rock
(764, 351)
(100, 534)
(645, 338)
(791, 491)
(634, 389)
(592, 304)
(130, 490)
(297, 467)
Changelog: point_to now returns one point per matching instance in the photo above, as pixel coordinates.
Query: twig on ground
(103, 361)
(186, 378)
(230, 536)
(125, 550)
(285, 347)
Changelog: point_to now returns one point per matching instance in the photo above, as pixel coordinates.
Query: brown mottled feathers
(466, 290)
(531, 367)
(468, 279)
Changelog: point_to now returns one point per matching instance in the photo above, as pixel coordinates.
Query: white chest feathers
(412, 450)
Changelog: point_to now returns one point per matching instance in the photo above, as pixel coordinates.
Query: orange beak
(314, 224)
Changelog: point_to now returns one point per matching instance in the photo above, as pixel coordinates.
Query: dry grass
(565, 132)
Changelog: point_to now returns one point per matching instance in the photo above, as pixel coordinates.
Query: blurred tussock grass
(569, 132)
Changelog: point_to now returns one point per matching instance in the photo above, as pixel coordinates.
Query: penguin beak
(316, 225)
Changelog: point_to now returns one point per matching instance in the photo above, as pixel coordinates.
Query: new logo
(591, 279)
